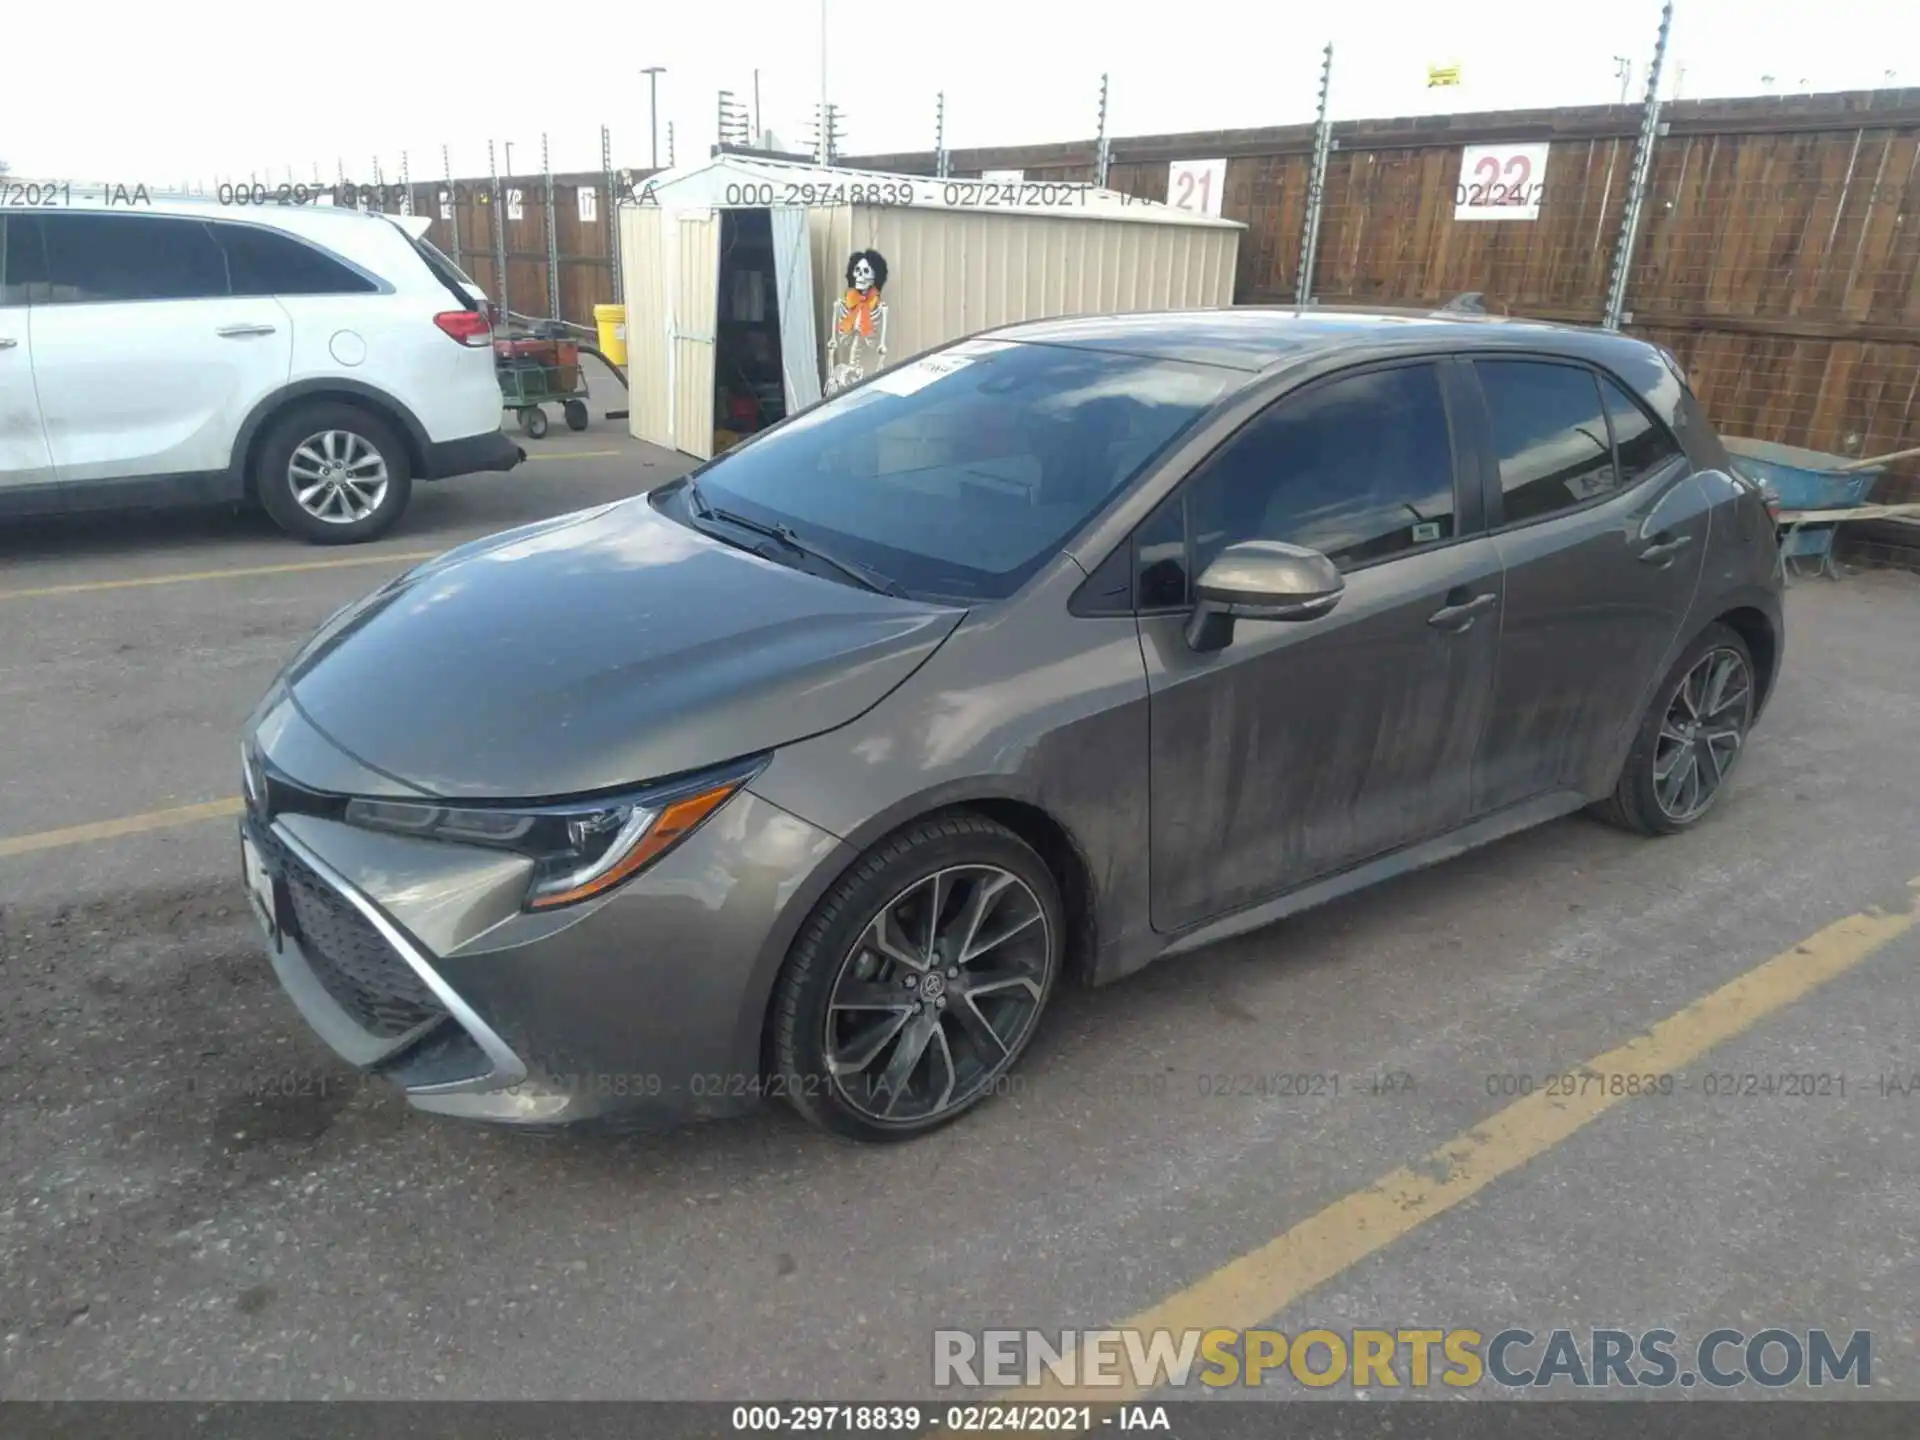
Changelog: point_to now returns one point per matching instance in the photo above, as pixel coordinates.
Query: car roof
(301, 219)
(1257, 338)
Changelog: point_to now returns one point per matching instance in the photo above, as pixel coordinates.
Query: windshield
(960, 474)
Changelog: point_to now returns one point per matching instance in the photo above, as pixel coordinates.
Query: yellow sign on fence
(1442, 75)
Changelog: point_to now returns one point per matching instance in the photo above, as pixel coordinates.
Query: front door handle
(1460, 610)
(241, 332)
(1661, 552)
(8, 344)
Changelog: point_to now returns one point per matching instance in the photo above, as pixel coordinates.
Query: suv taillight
(469, 327)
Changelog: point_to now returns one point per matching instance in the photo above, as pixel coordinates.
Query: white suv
(313, 359)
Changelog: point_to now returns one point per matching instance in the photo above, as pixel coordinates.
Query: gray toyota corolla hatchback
(1054, 652)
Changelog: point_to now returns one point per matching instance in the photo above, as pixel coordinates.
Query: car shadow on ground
(112, 534)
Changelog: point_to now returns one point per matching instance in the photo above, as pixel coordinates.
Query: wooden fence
(1778, 254)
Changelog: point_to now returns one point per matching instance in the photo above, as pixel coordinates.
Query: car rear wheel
(1689, 740)
(919, 980)
(333, 474)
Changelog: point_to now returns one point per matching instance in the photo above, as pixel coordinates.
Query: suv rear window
(444, 270)
(266, 262)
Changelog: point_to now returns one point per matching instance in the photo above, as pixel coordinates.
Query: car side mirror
(1260, 580)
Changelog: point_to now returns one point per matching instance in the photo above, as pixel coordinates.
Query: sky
(204, 90)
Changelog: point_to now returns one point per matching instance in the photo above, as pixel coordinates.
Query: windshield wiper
(867, 579)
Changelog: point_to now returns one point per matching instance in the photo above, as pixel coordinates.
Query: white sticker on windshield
(920, 374)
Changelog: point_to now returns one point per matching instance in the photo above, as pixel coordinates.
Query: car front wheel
(1689, 740)
(333, 474)
(919, 980)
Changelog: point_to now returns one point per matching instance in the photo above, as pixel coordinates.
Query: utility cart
(538, 364)
(541, 369)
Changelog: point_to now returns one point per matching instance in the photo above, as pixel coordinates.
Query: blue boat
(1803, 480)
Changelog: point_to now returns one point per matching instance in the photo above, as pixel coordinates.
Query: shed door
(696, 273)
(649, 302)
(793, 278)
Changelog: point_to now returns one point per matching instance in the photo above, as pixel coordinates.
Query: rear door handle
(1662, 552)
(1460, 615)
(241, 332)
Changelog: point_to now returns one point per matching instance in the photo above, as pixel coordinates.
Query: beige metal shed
(735, 268)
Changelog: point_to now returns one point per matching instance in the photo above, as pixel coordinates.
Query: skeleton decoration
(858, 345)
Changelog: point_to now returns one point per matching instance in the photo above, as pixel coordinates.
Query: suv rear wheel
(332, 474)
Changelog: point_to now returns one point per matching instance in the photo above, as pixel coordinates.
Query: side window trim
(1440, 362)
(1471, 443)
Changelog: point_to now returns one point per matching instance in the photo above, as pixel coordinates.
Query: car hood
(595, 651)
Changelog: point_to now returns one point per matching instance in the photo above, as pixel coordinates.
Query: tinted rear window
(444, 270)
(1550, 431)
(267, 262)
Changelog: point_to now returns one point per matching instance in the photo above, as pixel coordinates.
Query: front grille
(363, 973)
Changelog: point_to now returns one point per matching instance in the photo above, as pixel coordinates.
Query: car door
(1305, 747)
(145, 363)
(24, 458)
(1602, 528)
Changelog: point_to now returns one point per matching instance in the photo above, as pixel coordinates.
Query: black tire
(829, 946)
(576, 413)
(1635, 803)
(533, 420)
(274, 486)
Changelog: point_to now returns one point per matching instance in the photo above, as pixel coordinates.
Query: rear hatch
(457, 281)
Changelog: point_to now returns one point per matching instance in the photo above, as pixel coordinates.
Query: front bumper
(489, 451)
(413, 960)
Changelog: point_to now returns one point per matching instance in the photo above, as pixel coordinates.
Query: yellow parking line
(1262, 1283)
(125, 825)
(238, 572)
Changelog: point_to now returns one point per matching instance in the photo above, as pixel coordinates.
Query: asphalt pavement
(197, 1200)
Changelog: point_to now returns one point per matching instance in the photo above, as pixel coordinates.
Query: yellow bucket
(611, 321)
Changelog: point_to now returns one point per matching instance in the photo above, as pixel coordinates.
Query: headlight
(579, 850)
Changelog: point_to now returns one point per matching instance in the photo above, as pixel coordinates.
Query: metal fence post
(406, 186)
(1316, 187)
(940, 135)
(613, 216)
(1101, 149)
(499, 231)
(453, 206)
(553, 243)
(1637, 181)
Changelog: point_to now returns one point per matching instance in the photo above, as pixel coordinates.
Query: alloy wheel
(1701, 733)
(337, 476)
(938, 995)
